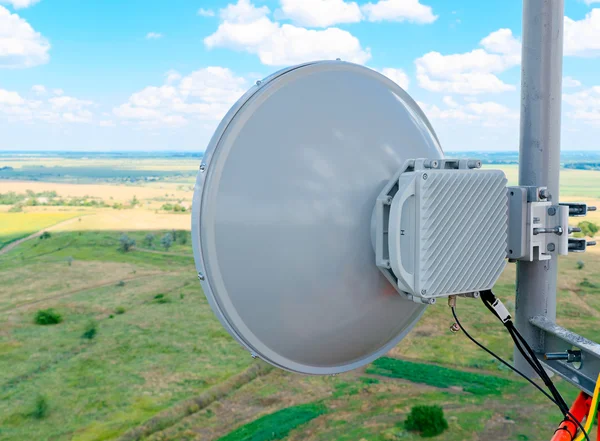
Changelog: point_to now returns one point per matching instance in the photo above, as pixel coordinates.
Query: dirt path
(166, 253)
(16, 243)
(87, 288)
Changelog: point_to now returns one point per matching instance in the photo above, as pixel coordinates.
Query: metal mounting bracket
(556, 339)
(538, 228)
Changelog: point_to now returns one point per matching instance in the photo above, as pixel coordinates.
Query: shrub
(69, 260)
(47, 317)
(45, 235)
(580, 264)
(40, 407)
(427, 420)
(587, 284)
(126, 243)
(121, 283)
(119, 310)
(161, 299)
(90, 331)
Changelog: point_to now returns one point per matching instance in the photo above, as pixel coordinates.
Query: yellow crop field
(14, 226)
(108, 193)
(129, 220)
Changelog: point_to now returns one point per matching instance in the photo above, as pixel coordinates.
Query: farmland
(159, 366)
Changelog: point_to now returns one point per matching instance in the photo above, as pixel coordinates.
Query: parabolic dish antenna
(282, 214)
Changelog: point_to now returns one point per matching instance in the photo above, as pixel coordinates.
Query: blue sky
(155, 75)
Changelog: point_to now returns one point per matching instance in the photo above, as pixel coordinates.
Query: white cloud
(10, 98)
(20, 45)
(398, 76)
(57, 109)
(320, 13)
(585, 105)
(449, 101)
(582, 37)
(399, 10)
(569, 82)
(206, 12)
(472, 72)
(205, 95)
(39, 89)
(153, 35)
(68, 103)
(107, 123)
(486, 114)
(18, 4)
(247, 28)
(172, 76)
(58, 92)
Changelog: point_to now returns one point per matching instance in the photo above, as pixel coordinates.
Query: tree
(588, 228)
(167, 241)
(126, 243)
(183, 237)
(135, 201)
(149, 239)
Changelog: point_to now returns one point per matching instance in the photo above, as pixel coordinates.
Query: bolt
(200, 276)
(425, 176)
(454, 328)
(568, 356)
(258, 82)
(591, 243)
(551, 211)
(474, 164)
(431, 301)
(544, 193)
(423, 292)
(253, 355)
(591, 209)
(388, 200)
(556, 230)
(574, 230)
(551, 247)
(431, 163)
(202, 167)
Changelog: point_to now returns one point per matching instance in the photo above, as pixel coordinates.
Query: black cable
(540, 369)
(500, 359)
(528, 354)
(489, 300)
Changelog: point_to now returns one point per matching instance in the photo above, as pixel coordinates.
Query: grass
(438, 376)
(277, 425)
(140, 363)
(18, 225)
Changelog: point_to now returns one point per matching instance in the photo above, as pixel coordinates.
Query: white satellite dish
(282, 215)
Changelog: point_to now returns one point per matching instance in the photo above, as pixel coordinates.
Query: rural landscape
(105, 333)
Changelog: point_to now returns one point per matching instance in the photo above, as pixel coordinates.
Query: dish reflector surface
(281, 221)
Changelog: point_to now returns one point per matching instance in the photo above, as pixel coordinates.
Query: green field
(166, 351)
(159, 367)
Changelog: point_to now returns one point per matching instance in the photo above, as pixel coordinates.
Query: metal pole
(539, 152)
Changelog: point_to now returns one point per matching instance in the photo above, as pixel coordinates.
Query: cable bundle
(499, 310)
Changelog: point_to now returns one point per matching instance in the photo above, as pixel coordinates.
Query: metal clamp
(537, 226)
